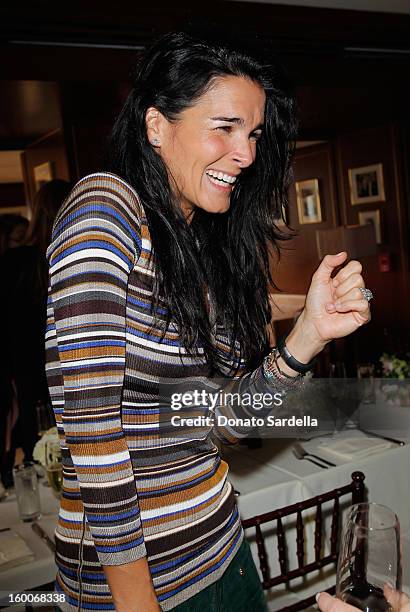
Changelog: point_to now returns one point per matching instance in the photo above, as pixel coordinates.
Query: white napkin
(354, 448)
(13, 550)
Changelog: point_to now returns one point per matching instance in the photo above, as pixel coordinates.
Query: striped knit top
(128, 492)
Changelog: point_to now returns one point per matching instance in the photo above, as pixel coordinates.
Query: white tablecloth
(387, 478)
(43, 569)
(266, 478)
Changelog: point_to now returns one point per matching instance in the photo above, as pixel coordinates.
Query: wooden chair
(357, 491)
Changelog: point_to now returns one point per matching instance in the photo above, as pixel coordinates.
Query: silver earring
(155, 142)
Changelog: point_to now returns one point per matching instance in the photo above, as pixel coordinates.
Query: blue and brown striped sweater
(128, 491)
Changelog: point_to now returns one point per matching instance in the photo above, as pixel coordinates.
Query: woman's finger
(360, 305)
(353, 267)
(327, 603)
(398, 601)
(354, 281)
(352, 295)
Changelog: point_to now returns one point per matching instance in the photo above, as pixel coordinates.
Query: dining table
(41, 569)
(264, 478)
(272, 477)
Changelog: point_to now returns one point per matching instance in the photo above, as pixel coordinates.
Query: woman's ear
(153, 121)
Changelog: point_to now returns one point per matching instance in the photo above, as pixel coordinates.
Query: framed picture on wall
(366, 184)
(372, 217)
(43, 173)
(308, 201)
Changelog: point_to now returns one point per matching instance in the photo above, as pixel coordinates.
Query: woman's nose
(244, 153)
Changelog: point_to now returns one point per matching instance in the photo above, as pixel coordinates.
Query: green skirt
(238, 590)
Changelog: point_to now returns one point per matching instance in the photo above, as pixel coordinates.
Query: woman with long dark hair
(159, 274)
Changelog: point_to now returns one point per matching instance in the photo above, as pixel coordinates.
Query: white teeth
(220, 176)
(217, 181)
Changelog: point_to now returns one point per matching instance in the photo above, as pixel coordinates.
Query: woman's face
(210, 143)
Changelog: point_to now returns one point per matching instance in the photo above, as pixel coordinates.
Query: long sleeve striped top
(128, 491)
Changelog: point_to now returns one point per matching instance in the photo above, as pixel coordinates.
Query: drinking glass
(365, 372)
(27, 493)
(340, 404)
(369, 558)
(337, 370)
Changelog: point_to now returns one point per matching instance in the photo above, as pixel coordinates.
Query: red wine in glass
(370, 557)
(367, 597)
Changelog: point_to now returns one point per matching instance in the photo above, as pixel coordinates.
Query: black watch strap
(290, 360)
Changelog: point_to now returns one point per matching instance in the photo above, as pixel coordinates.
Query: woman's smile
(221, 180)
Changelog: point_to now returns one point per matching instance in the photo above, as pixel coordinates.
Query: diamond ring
(367, 294)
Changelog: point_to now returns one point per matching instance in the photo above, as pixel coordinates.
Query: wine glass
(370, 557)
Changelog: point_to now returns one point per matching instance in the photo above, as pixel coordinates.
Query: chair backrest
(357, 491)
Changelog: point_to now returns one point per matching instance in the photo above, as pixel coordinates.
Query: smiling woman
(209, 145)
(201, 109)
(159, 272)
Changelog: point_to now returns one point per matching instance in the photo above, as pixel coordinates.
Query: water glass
(340, 388)
(365, 372)
(370, 557)
(27, 491)
(337, 370)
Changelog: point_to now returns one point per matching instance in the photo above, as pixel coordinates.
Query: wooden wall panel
(299, 257)
(363, 148)
(87, 144)
(88, 119)
(389, 145)
(50, 148)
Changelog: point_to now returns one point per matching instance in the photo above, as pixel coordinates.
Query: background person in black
(13, 229)
(23, 274)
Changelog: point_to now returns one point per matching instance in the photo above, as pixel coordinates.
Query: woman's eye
(225, 128)
(256, 136)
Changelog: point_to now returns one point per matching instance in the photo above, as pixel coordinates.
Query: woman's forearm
(303, 343)
(131, 587)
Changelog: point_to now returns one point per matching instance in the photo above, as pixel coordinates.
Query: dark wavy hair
(226, 254)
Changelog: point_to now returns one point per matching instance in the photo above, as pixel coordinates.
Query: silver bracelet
(271, 370)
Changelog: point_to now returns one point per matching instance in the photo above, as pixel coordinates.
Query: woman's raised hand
(335, 307)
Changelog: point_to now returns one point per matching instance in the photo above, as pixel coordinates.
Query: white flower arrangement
(397, 391)
(42, 446)
(394, 367)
